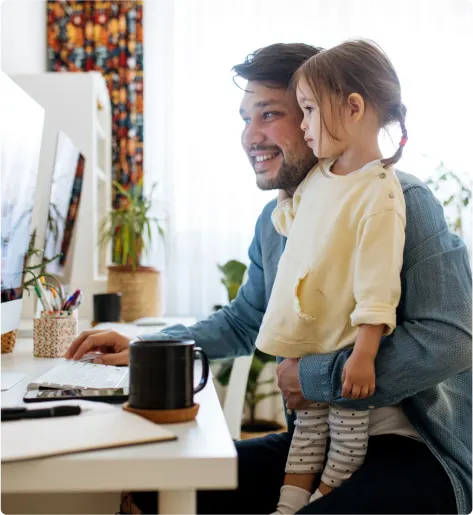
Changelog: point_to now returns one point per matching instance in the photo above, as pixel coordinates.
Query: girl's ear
(356, 106)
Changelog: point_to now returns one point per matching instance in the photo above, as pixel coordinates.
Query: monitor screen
(21, 133)
(64, 203)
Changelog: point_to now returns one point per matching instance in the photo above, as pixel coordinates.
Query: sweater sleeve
(378, 263)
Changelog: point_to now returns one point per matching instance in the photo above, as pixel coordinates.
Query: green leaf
(265, 358)
(224, 373)
(233, 271)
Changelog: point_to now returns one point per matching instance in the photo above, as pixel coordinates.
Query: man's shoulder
(268, 210)
(409, 181)
(418, 194)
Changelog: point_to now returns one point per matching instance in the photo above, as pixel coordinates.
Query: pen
(76, 302)
(57, 302)
(22, 413)
(71, 300)
(44, 297)
(38, 293)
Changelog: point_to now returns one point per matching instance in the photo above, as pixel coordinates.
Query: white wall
(23, 36)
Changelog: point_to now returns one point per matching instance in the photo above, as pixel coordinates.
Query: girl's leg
(306, 457)
(348, 446)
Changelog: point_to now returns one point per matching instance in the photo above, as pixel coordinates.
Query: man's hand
(112, 345)
(288, 382)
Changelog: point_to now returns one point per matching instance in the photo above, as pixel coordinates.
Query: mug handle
(205, 369)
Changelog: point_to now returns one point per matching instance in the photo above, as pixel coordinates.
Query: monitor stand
(10, 379)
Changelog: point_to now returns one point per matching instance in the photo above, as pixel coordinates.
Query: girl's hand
(358, 377)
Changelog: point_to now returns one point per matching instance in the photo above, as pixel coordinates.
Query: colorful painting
(106, 37)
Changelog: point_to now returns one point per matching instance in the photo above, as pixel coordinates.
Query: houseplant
(31, 274)
(131, 227)
(232, 278)
(454, 193)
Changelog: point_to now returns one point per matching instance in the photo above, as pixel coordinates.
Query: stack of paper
(36, 438)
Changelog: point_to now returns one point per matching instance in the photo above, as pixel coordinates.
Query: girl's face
(316, 135)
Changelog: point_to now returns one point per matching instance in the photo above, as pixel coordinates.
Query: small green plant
(130, 225)
(36, 271)
(454, 193)
(233, 273)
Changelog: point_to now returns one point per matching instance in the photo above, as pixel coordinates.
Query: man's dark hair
(274, 65)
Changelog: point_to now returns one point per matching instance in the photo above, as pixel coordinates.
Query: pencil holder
(53, 333)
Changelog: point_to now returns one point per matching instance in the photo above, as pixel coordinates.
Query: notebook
(29, 439)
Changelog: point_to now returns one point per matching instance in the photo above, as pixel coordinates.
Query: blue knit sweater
(425, 364)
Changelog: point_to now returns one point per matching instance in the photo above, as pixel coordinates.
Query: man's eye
(268, 115)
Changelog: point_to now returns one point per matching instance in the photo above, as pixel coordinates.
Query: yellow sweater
(342, 262)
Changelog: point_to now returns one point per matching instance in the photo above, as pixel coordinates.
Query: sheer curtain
(192, 131)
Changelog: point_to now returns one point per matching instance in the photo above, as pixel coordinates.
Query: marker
(44, 299)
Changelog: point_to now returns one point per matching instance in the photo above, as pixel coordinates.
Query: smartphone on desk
(110, 395)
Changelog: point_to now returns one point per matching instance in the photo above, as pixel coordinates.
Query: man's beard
(290, 175)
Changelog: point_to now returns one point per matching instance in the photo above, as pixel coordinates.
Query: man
(419, 455)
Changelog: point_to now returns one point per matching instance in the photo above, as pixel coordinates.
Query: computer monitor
(21, 124)
(21, 129)
(64, 200)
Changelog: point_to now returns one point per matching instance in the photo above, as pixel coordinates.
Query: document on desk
(31, 439)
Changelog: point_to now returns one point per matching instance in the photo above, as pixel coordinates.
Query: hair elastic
(403, 141)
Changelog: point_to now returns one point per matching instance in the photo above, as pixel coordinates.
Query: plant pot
(260, 427)
(140, 289)
(8, 342)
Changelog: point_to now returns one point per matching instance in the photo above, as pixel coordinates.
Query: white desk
(203, 457)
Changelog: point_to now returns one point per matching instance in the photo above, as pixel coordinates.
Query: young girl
(338, 280)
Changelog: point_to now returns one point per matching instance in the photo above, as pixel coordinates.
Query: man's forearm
(232, 331)
(396, 377)
(226, 334)
(431, 345)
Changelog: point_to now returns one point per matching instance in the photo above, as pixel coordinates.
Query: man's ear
(356, 106)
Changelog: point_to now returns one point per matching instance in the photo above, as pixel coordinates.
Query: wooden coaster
(165, 416)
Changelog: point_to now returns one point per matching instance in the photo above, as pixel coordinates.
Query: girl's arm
(358, 376)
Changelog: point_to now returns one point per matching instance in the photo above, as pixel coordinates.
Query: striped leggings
(348, 430)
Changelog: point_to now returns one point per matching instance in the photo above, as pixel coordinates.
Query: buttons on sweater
(382, 175)
(391, 195)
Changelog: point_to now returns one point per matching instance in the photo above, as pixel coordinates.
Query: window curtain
(106, 37)
(193, 126)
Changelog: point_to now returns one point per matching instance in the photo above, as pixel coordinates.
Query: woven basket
(141, 291)
(8, 342)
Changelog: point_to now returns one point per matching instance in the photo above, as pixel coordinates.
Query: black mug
(162, 374)
(107, 307)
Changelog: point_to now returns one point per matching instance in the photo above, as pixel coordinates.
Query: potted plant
(233, 274)
(31, 274)
(131, 227)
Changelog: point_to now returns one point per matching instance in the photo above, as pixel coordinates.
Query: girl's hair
(357, 66)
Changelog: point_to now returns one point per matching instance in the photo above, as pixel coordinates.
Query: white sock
(316, 495)
(292, 499)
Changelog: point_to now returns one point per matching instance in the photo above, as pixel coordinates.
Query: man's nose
(254, 135)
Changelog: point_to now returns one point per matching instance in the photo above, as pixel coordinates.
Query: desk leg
(177, 501)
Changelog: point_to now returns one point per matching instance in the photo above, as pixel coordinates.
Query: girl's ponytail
(399, 114)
